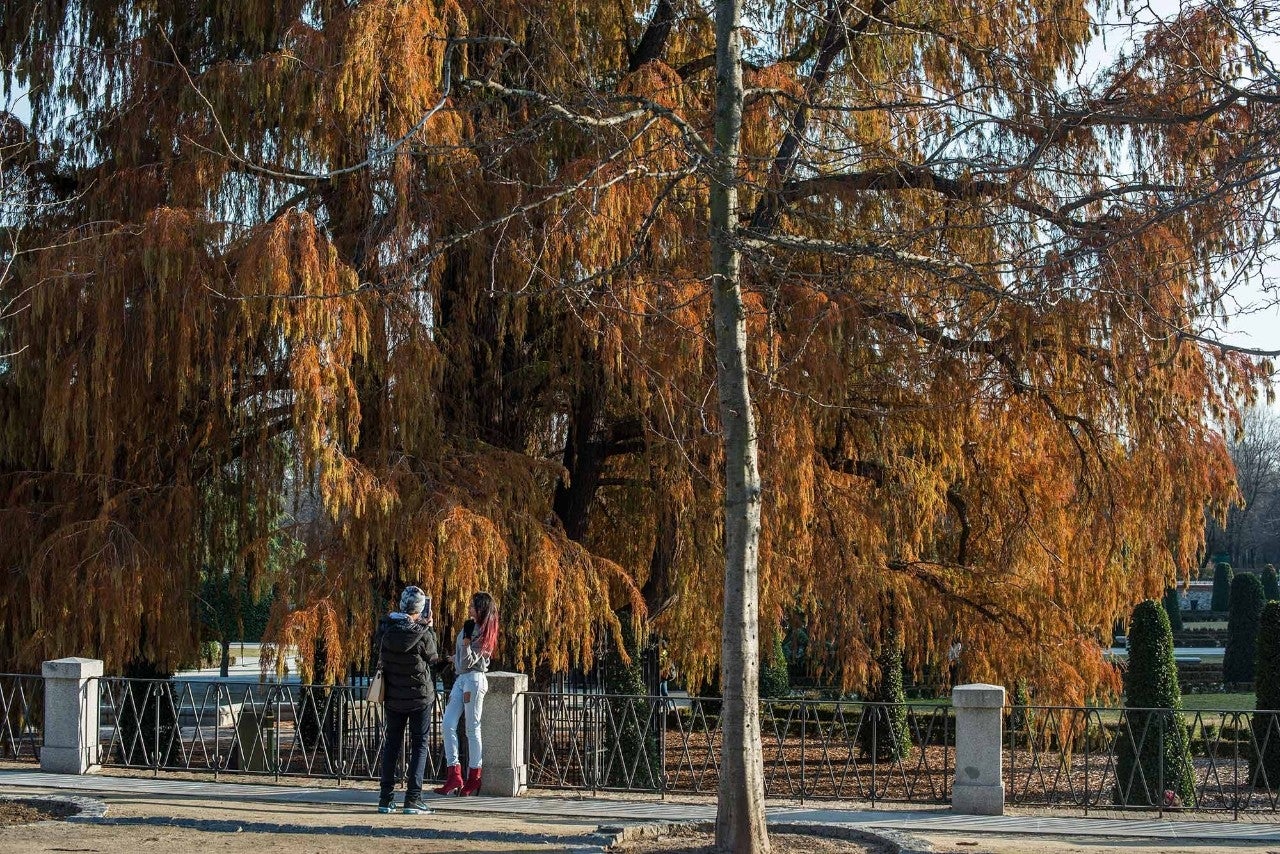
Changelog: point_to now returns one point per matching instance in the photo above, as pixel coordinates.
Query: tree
(1173, 607)
(1264, 760)
(1239, 659)
(1152, 748)
(1270, 587)
(485, 264)
(1222, 582)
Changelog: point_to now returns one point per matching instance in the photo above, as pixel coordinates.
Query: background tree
(1223, 577)
(1264, 761)
(1239, 659)
(1251, 534)
(1152, 749)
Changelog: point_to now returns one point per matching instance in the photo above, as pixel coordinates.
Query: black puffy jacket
(408, 648)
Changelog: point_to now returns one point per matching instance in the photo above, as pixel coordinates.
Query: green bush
(1021, 717)
(1173, 607)
(1221, 600)
(1240, 657)
(1152, 749)
(1264, 762)
(1270, 583)
(884, 733)
(775, 681)
(631, 758)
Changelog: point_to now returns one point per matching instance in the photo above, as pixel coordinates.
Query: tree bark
(740, 826)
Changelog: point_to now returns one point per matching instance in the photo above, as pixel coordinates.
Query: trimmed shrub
(775, 681)
(1270, 583)
(1240, 657)
(631, 758)
(1173, 607)
(1264, 761)
(1221, 600)
(1153, 756)
(884, 732)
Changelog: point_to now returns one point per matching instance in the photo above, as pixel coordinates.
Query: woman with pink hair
(472, 654)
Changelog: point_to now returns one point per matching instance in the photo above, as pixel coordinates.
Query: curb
(897, 842)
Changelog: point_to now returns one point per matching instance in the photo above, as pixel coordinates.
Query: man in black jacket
(407, 646)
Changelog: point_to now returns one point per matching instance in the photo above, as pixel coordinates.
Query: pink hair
(487, 625)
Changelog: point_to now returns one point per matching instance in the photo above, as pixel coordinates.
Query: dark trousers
(419, 726)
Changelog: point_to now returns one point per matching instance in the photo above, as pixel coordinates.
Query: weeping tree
(540, 296)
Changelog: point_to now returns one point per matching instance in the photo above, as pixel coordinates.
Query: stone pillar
(502, 735)
(70, 716)
(979, 787)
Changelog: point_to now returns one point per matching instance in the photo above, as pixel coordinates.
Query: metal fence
(812, 749)
(21, 717)
(228, 727)
(1143, 759)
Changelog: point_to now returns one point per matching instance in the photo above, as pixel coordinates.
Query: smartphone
(426, 609)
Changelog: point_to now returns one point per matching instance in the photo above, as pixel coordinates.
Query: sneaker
(415, 806)
(386, 805)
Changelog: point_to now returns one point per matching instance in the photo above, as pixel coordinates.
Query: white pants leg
(477, 685)
(452, 712)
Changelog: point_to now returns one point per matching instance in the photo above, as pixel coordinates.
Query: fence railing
(245, 728)
(812, 749)
(21, 717)
(1143, 759)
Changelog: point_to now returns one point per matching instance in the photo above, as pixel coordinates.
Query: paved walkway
(643, 812)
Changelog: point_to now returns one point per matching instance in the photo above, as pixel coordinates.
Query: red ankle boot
(473, 783)
(452, 782)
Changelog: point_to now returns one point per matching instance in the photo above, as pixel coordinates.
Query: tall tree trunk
(740, 826)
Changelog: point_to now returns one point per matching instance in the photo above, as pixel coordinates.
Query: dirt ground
(136, 825)
(780, 843)
(992, 844)
(26, 812)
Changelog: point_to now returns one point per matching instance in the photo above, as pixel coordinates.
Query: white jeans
(477, 685)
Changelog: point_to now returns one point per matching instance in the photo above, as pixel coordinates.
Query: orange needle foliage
(432, 274)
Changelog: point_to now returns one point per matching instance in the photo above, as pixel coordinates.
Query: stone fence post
(70, 716)
(502, 734)
(979, 787)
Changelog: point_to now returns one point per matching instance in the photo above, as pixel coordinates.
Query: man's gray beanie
(412, 600)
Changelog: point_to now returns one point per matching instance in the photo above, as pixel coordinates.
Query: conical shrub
(1173, 607)
(1264, 759)
(1240, 657)
(884, 733)
(1153, 757)
(1270, 583)
(1222, 575)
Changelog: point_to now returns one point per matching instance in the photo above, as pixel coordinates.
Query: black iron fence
(247, 728)
(21, 717)
(1143, 759)
(812, 749)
